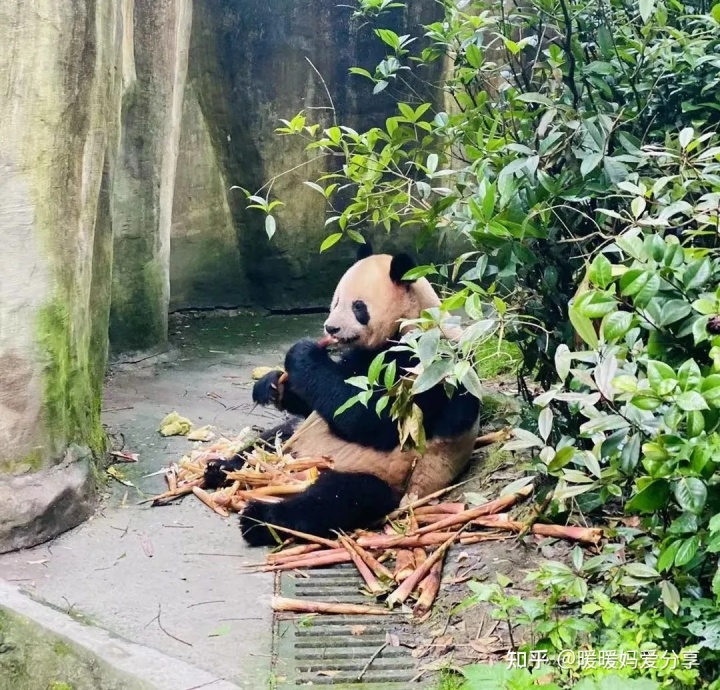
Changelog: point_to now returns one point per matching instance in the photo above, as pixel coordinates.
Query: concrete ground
(170, 578)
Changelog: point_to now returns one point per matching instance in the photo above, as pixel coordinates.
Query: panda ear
(399, 266)
(364, 250)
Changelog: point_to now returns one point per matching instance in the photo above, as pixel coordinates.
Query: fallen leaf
(485, 645)
(358, 629)
(118, 476)
(392, 640)
(222, 630)
(40, 562)
(444, 641)
(329, 674)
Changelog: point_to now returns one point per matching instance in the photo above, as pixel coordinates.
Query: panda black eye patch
(361, 312)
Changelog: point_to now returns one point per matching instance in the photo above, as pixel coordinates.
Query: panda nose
(331, 330)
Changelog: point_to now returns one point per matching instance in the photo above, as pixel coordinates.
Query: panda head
(372, 298)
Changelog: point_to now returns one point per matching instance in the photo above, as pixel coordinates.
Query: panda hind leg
(336, 501)
(216, 471)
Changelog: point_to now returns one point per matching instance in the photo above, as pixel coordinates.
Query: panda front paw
(303, 355)
(266, 390)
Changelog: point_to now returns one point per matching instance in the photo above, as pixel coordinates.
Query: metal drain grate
(335, 650)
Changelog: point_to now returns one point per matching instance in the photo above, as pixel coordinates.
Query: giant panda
(371, 471)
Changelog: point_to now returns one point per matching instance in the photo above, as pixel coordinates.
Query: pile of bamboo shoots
(401, 562)
(268, 474)
(405, 560)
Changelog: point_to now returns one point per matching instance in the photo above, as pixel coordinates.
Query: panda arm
(269, 391)
(448, 417)
(320, 382)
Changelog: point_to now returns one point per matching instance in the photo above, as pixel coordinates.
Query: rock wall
(251, 64)
(157, 36)
(59, 115)
(125, 125)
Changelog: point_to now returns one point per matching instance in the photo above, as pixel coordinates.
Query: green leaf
(472, 384)
(653, 497)
(381, 404)
(616, 324)
(375, 368)
(658, 373)
(583, 327)
(714, 524)
(689, 375)
(390, 372)
(646, 9)
(716, 583)
(473, 56)
(711, 390)
(673, 311)
(431, 376)
(687, 551)
(347, 405)
(667, 557)
(594, 304)
(695, 423)
(691, 494)
(691, 400)
(697, 274)
(642, 284)
(270, 226)
(221, 631)
(601, 271)
(562, 458)
(330, 241)
(630, 454)
(563, 360)
(670, 596)
(641, 570)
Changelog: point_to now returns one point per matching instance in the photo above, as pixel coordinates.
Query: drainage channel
(342, 652)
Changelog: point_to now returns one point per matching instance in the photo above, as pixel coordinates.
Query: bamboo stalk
(378, 568)
(433, 539)
(406, 588)
(431, 518)
(171, 478)
(277, 490)
(308, 464)
(429, 589)
(207, 499)
(367, 575)
(302, 535)
(492, 437)
(312, 560)
(424, 501)
(404, 565)
(300, 550)
(489, 508)
(183, 490)
(588, 535)
(448, 508)
(302, 606)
